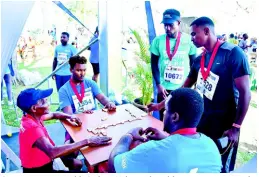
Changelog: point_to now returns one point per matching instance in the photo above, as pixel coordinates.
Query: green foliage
(253, 79)
(82, 10)
(143, 73)
(129, 94)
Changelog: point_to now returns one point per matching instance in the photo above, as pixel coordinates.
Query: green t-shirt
(173, 73)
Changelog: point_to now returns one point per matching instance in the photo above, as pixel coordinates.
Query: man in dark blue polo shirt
(221, 75)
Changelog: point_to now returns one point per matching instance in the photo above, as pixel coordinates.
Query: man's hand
(98, 141)
(162, 90)
(153, 107)
(137, 134)
(154, 134)
(88, 112)
(63, 116)
(54, 77)
(75, 119)
(233, 135)
(110, 106)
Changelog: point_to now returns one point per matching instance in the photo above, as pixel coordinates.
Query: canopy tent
(13, 17)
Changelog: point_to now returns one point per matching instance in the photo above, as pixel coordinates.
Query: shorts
(96, 69)
(61, 80)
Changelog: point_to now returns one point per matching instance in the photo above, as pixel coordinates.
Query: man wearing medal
(221, 75)
(78, 95)
(222, 78)
(171, 56)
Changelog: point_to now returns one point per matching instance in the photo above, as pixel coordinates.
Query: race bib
(87, 103)
(207, 87)
(62, 58)
(174, 74)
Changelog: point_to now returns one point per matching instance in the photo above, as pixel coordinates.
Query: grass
(243, 157)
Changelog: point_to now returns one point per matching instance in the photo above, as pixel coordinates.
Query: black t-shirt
(219, 112)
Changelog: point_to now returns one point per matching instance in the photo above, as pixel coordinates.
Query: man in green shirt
(171, 56)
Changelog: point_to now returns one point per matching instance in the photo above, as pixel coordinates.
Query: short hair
(65, 33)
(188, 104)
(245, 35)
(231, 35)
(77, 59)
(202, 21)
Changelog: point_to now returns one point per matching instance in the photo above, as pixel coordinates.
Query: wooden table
(95, 155)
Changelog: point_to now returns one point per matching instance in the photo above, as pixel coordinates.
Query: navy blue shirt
(219, 112)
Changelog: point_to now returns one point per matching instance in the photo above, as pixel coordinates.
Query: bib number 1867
(173, 76)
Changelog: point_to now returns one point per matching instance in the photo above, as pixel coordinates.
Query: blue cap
(170, 16)
(29, 97)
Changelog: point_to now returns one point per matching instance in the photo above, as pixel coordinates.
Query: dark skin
(124, 145)
(40, 111)
(64, 39)
(172, 122)
(171, 31)
(204, 36)
(78, 74)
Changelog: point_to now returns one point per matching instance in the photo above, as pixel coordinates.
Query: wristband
(131, 136)
(236, 125)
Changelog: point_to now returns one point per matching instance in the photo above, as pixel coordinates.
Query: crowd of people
(241, 40)
(201, 99)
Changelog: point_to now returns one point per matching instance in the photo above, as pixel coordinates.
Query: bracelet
(236, 125)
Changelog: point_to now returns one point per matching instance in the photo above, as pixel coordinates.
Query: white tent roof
(13, 17)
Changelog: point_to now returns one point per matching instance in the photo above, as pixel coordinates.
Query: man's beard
(63, 43)
(172, 35)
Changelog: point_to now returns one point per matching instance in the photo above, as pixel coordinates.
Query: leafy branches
(142, 72)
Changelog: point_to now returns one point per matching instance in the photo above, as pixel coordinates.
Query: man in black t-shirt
(223, 81)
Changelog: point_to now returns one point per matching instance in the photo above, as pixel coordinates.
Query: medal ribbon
(170, 56)
(73, 85)
(206, 73)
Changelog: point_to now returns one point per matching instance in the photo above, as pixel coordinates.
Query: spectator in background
(254, 44)
(21, 47)
(94, 56)
(224, 37)
(62, 54)
(232, 39)
(9, 72)
(243, 43)
(31, 47)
